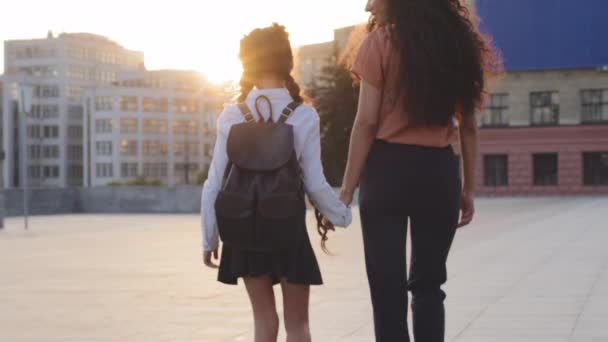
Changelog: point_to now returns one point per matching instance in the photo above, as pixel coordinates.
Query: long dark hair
(444, 59)
(266, 52)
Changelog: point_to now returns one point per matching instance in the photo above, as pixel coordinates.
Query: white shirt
(305, 121)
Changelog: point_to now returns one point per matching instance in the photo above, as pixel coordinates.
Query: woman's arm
(361, 139)
(468, 146)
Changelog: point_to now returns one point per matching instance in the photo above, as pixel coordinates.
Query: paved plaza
(528, 269)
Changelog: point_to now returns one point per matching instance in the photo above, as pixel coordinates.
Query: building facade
(152, 124)
(50, 75)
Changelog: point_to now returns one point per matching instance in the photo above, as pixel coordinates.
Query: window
(103, 103)
(178, 149)
(185, 127)
(545, 168)
(34, 131)
(77, 72)
(128, 170)
(104, 170)
(35, 171)
(496, 170)
(594, 105)
(50, 171)
(103, 148)
(50, 151)
(128, 103)
(46, 91)
(155, 105)
(155, 170)
(51, 131)
(45, 111)
(35, 151)
(155, 126)
(154, 148)
(75, 152)
(128, 125)
(595, 168)
(185, 105)
(128, 147)
(75, 112)
(75, 171)
(74, 92)
(496, 111)
(75, 132)
(103, 126)
(544, 108)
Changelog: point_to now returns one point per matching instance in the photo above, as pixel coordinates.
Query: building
(545, 127)
(154, 124)
(50, 75)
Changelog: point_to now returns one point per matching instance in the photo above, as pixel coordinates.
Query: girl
(422, 65)
(267, 61)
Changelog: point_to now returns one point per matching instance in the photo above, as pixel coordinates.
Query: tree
(335, 98)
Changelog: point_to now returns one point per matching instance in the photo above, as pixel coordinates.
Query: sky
(200, 35)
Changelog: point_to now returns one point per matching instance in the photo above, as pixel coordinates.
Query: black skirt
(298, 266)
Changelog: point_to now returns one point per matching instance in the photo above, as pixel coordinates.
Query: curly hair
(266, 52)
(444, 60)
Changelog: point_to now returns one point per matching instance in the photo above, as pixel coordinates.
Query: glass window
(496, 111)
(594, 104)
(544, 108)
(104, 170)
(103, 148)
(496, 170)
(128, 147)
(595, 168)
(128, 170)
(75, 132)
(128, 103)
(103, 126)
(103, 103)
(545, 168)
(128, 125)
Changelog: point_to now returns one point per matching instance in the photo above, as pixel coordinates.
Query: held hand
(467, 208)
(207, 258)
(346, 197)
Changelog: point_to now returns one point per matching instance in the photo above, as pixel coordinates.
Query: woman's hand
(467, 208)
(346, 197)
(207, 258)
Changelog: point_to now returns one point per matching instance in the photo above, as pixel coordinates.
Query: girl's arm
(211, 188)
(320, 192)
(361, 139)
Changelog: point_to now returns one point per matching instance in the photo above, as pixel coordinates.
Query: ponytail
(294, 89)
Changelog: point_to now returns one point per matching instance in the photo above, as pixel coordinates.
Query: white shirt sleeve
(212, 186)
(320, 192)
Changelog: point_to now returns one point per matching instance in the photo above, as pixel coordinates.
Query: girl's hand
(207, 258)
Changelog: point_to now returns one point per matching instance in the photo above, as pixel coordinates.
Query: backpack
(261, 205)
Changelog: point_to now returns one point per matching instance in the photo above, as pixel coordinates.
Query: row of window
(154, 126)
(28, 52)
(149, 104)
(43, 171)
(40, 70)
(48, 111)
(150, 148)
(544, 108)
(90, 74)
(43, 151)
(102, 56)
(545, 169)
(150, 170)
(42, 131)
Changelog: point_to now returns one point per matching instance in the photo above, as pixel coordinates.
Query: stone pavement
(526, 270)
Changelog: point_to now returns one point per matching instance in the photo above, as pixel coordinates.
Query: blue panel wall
(547, 34)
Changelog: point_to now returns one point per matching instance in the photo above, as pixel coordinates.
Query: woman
(267, 61)
(422, 70)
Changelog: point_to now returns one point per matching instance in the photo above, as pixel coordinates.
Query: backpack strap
(288, 111)
(246, 112)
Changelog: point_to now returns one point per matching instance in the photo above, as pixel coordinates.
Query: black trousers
(402, 183)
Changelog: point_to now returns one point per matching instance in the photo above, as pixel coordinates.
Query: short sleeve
(367, 65)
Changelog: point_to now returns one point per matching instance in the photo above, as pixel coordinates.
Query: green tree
(335, 98)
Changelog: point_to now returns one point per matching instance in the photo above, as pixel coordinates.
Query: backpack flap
(260, 147)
